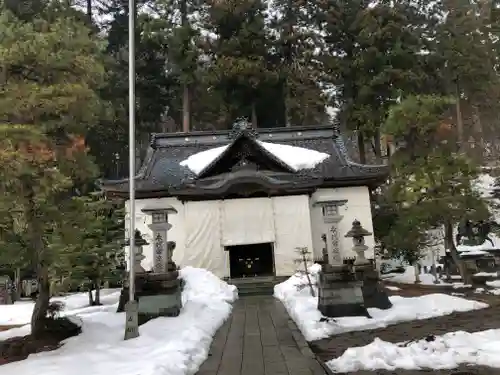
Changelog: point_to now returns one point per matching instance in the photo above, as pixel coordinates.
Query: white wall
(290, 226)
(357, 207)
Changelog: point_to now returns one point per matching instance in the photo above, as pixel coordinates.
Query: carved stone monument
(160, 226)
(331, 220)
(159, 292)
(339, 293)
(374, 295)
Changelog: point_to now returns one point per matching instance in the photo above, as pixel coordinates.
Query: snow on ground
(408, 277)
(166, 346)
(445, 352)
(296, 157)
(495, 292)
(20, 312)
(493, 283)
(303, 309)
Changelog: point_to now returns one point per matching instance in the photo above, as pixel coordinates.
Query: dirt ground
(471, 321)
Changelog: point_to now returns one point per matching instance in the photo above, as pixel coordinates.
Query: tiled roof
(161, 170)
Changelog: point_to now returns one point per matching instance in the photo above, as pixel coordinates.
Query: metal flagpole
(132, 321)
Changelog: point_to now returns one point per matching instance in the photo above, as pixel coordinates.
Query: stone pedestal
(156, 294)
(339, 293)
(159, 294)
(374, 294)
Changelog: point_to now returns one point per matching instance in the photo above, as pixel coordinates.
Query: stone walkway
(260, 339)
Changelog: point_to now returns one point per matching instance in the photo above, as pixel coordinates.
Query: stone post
(160, 226)
(331, 218)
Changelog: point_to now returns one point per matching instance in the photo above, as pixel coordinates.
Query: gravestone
(5, 290)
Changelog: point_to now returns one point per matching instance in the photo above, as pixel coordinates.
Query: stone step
(256, 285)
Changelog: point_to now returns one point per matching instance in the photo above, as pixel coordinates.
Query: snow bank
(445, 352)
(303, 309)
(166, 346)
(296, 157)
(20, 312)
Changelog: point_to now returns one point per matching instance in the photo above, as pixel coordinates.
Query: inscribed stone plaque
(160, 254)
(156, 305)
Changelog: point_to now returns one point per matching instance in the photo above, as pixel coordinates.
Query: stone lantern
(139, 243)
(374, 295)
(160, 226)
(358, 234)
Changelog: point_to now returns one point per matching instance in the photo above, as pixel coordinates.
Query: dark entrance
(251, 260)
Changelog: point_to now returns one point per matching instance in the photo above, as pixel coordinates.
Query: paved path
(260, 339)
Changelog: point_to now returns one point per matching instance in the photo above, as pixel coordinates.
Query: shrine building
(240, 202)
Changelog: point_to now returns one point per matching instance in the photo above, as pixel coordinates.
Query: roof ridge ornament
(242, 126)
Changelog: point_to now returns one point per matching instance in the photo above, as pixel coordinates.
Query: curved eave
(372, 182)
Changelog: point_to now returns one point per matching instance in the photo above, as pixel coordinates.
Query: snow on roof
(297, 158)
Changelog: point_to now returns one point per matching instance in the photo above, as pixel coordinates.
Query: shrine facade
(239, 203)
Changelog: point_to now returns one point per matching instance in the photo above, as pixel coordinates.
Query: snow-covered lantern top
(358, 234)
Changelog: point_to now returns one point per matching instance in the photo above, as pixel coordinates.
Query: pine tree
(93, 248)
(51, 72)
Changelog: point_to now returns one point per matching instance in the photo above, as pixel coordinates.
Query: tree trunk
(39, 314)
(97, 293)
(186, 111)
(361, 148)
(89, 10)
(377, 146)
(254, 116)
(478, 130)
(460, 123)
(287, 107)
(91, 297)
(450, 245)
(186, 114)
(35, 231)
(417, 273)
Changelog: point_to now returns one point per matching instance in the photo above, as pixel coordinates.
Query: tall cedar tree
(372, 56)
(295, 53)
(51, 71)
(239, 67)
(467, 49)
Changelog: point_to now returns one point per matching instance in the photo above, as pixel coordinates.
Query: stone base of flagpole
(131, 320)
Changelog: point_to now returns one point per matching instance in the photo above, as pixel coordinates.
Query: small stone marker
(5, 292)
(132, 320)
